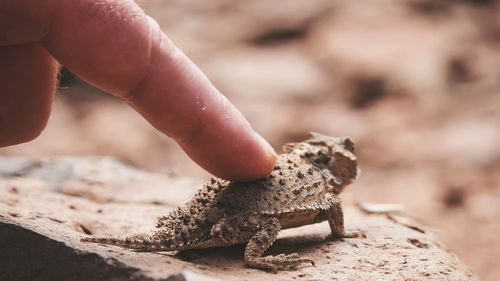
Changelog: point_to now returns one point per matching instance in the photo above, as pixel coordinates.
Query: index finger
(115, 46)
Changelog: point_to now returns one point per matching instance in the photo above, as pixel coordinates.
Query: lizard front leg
(261, 241)
(335, 216)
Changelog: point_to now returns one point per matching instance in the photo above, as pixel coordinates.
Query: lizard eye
(322, 159)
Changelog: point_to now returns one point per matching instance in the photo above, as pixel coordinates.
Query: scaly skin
(302, 189)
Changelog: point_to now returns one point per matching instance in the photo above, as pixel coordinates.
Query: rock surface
(47, 205)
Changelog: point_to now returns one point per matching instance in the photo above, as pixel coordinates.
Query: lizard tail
(140, 243)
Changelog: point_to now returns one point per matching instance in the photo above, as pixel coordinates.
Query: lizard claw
(352, 234)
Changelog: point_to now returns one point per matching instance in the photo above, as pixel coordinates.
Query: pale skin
(115, 46)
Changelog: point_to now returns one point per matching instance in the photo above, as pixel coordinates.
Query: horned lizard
(302, 189)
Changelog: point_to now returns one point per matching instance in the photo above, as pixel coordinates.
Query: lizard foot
(281, 261)
(352, 234)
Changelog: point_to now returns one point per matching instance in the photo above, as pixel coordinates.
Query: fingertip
(257, 161)
(268, 159)
(240, 155)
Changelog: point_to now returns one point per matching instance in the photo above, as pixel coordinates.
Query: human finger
(27, 81)
(115, 46)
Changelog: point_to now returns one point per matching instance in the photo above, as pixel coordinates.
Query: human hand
(113, 45)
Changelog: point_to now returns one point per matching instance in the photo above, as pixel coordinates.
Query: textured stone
(41, 225)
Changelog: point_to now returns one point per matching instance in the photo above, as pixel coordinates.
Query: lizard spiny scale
(302, 189)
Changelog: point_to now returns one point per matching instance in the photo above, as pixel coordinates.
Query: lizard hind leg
(261, 241)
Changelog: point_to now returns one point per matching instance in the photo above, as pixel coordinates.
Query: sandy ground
(416, 84)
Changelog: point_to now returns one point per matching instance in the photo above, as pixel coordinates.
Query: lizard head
(336, 154)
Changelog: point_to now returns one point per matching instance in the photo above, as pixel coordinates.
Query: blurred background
(415, 83)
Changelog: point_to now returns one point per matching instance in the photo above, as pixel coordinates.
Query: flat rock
(48, 205)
